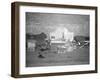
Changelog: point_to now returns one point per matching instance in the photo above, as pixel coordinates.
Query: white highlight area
(61, 33)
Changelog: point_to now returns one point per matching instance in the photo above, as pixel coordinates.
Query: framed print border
(15, 38)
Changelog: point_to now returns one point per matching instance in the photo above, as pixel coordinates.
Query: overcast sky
(48, 22)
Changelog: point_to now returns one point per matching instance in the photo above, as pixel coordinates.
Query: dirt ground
(52, 58)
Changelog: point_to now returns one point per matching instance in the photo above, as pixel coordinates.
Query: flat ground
(75, 57)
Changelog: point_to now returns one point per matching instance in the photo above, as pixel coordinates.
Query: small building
(61, 35)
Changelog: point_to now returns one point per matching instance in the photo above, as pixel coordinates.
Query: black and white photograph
(52, 39)
(57, 39)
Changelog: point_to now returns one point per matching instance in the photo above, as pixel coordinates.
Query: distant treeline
(81, 38)
(43, 36)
